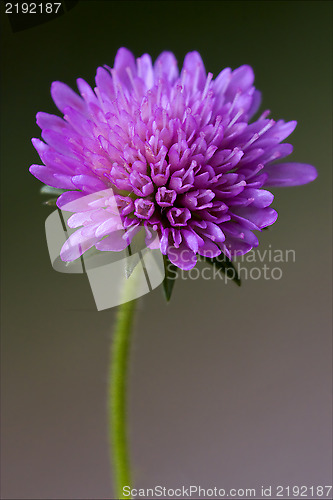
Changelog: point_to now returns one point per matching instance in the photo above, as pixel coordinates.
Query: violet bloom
(178, 152)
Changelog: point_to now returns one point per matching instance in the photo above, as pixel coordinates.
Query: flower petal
(67, 198)
(145, 70)
(51, 178)
(256, 101)
(40, 146)
(289, 174)
(58, 141)
(86, 91)
(182, 257)
(78, 243)
(53, 122)
(192, 239)
(116, 242)
(166, 67)
(261, 197)
(88, 183)
(64, 96)
(124, 62)
(234, 246)
(193, 71)
(260, 217)
(105, 84)
(113, 223)
(209, 249)
(241, 80)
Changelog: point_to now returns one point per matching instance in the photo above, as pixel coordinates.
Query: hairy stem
(118, 390)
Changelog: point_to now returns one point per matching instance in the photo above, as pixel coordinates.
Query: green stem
(117, 390)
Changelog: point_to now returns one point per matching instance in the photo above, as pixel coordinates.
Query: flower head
(178, 152)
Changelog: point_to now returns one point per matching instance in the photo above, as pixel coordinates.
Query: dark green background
(229, 387)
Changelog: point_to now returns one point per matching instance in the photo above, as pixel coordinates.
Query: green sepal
(52, 202)
(51, 190)
(224, 264)
(171, 274)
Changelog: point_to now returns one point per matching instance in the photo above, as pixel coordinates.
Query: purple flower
(178, 151)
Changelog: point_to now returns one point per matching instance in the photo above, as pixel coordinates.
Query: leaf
(171, 274)
(224, 264)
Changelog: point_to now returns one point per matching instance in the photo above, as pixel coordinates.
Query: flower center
(165, 197)
(144, 209)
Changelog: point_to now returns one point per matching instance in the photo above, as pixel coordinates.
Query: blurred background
(229, 387)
